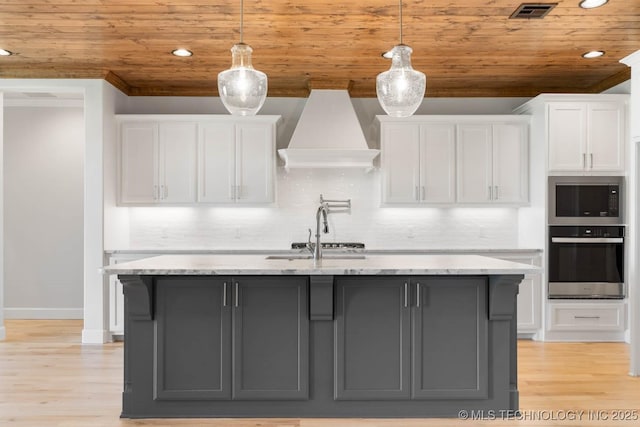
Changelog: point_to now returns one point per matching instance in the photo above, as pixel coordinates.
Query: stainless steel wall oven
(586, 262)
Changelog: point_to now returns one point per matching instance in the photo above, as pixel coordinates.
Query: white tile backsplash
(298, 192)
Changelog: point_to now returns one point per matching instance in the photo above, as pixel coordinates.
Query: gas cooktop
(331, 245)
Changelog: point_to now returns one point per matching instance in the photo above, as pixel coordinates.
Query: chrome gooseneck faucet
(324, 209)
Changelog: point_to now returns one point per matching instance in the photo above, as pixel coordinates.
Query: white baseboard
(3, 333)
(95, 336)
(43, 313)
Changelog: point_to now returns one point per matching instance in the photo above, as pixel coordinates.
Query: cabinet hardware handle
(237, 297)
(406, 294)
(417, 294)
(586, 317)
(584, 160)
(423, 193)
(224, 295)
(497, 196)
(490, 193)
(591, 158)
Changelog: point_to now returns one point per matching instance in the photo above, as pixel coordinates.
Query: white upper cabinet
(139, 162)
(217, 160)
(475, 180)
(158, 162)
(237, 163)
(418, 163)
(605, 136)
(400, 163)
(197, 159)
(567, 136)
(510, 163)
(493, 163)
(255, 163)
(177, 169)
(454, 159)
(586, 136)
(438, 161)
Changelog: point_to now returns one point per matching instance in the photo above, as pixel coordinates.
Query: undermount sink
(291, 257)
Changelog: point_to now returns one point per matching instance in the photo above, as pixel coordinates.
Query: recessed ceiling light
(5, 52)
(590, 4)
(182, 52)
(593, 54)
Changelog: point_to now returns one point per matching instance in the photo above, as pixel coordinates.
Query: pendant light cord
(400, 21)
(241, 21)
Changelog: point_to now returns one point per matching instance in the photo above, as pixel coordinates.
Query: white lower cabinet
(116, 296)
(580, 320)
(529, 296)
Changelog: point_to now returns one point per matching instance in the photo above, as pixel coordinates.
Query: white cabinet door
(116, 307)
(634, 114)
(255, 162)
(177, 171)
(510, 163)
(529, 304)
(400, 163)
(474, 163)
(139, 162)
(116, 295)
(216, 169)
(605, 136)
(237, 163)
(529, 296)
(437, 163)
(567, 136)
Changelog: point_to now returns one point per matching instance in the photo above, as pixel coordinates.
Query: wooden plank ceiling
(465, 47)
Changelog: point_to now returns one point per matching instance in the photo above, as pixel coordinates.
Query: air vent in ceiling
(532, 10)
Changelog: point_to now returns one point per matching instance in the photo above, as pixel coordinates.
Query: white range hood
(328, 135)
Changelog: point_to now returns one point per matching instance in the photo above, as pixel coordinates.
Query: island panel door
(270, 338)
(450, 333)
(372, 338)
(193, 339)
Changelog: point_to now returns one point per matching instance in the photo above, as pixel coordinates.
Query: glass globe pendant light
(401, 89)
(242, 88)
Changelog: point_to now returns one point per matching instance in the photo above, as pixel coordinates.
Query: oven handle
(587, 240)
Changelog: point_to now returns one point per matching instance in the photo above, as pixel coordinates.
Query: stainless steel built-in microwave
(586, 200)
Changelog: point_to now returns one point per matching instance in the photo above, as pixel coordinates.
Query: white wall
(98, 110)
(3, 332)
(633, 229)
(298, 192)
(43, 212)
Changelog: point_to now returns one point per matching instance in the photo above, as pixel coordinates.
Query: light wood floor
(47, 378)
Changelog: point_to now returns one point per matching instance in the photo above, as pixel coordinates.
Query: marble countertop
(169, 251)
(432, 264)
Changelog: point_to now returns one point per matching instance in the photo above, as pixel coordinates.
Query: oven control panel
(586, 231)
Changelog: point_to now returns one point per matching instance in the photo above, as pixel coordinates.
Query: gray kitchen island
(376, 336)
